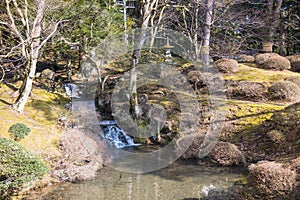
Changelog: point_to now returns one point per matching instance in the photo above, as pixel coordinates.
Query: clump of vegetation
(248, 90)
(294, 79)
(227, 65)
(295, 62)
(18, 131)
(276, 136)
(226, 154)
(19, 168)
(247, 59)
(272, 61)
(284, 90)
(272, 179)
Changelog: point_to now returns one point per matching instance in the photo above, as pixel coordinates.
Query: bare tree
(26, 20)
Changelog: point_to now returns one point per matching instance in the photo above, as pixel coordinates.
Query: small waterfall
(116, 135)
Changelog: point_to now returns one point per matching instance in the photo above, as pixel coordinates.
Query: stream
(172, 181)
(177, 181)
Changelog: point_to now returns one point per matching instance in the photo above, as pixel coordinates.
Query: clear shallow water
(177, 181)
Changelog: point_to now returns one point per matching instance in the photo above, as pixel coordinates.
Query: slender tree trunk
(149, 5)
(206, 36)
(33, 52)
(282, 47)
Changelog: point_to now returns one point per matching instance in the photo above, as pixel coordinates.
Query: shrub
(18, 131)
(272, 179)
(272, 61)
(294, 79)
(295, 62)
(226, 154)
(18, 167)
(247, 59)
(284, 90)
(227, 65)
(249, 90)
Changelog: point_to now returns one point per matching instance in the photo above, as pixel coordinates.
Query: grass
(41, 115)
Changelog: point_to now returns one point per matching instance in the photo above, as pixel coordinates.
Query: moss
(19, 167)
(41, 114)
(250, 114)
(250, 73)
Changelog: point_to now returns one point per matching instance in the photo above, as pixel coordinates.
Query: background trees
(63, 31)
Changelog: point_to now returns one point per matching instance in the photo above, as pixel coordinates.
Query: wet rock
(227, 65)
(272, 61)
(272, 179)
(226, 154)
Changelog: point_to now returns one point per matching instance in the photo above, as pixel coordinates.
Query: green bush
(18, 131)
(18, 167)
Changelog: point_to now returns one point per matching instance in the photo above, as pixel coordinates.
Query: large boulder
(226, 154)
(295, 62)
(272, 179)
(272, 61)
(226, 65)
(284, 90)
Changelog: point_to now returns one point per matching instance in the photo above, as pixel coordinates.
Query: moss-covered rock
(19, 168)
(272, 61)
(272, 179)
(284, 90)
(227, 65)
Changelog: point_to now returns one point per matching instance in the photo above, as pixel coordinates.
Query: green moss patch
(253, 74)
(18, 167)
(249, 114)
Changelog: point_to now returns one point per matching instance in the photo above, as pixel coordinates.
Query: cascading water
(116, 135)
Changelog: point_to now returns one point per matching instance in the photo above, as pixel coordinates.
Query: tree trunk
(138, 44)
(272, 23)
(206, 36)
(25, 89)
(33, 54)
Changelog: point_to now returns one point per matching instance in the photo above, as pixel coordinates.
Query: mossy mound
(227, 65)
(295, 62)
(272, 61)
(19, 168)
(284, 91)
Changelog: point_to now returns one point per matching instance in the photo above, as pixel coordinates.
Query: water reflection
(174, 182)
